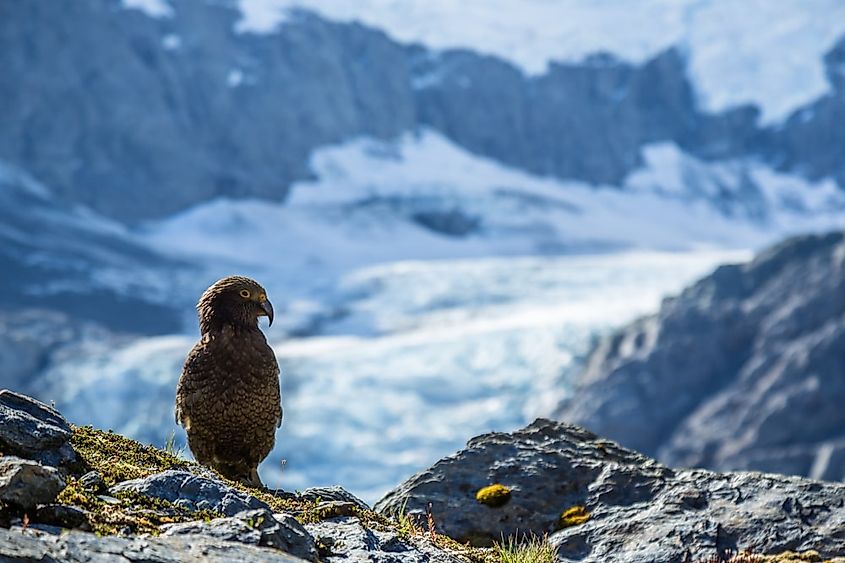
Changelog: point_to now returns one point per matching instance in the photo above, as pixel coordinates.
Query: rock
(32, 545)
(603, 503)
(25, 483)
(743, 370)
(335, 508)
(93, 481)
(192, 492)
(32, 430)
(61, 515)
(323, 494)
(348, 541)
(253, 527)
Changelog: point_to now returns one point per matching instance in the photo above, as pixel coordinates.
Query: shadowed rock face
(140, 117)
(636, 509)
(743, 370)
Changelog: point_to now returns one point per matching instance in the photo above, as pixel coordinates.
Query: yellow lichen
(493, 495)
(573, 516)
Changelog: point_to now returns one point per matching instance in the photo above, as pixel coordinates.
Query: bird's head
(235, 300)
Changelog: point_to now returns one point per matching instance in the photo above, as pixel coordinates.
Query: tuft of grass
(407, 526)
(573, 516)
(494, 495)
(171, 448)
(534, 550)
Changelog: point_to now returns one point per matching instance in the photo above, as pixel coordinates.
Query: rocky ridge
(148, 505)
(593, 500)
(742, 370)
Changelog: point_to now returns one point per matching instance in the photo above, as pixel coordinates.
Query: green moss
(132, 513)
(573, 516)
(494, 496)
(117, 458)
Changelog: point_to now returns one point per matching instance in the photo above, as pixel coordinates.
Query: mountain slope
(743, 370)
(78, 263)
(185, 108)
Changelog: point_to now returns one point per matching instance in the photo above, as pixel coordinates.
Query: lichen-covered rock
(253, 527)
(192, 492)
(79, 547)
(602, 503)
(346, 540)
(32, 430)
(25, 483)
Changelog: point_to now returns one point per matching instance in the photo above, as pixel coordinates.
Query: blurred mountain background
(458, 209)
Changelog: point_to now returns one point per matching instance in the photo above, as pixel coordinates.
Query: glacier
(426, 294)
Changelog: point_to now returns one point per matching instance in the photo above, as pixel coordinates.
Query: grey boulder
(603, 503)
(254, 527)
(32, 430)
(331, 494)
(82, 547)
(26, 484)
(347, 541)
(192, 492)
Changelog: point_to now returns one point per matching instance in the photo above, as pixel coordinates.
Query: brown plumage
(228, 398)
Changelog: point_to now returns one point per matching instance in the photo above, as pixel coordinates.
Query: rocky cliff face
(743, 370)
(140, 117)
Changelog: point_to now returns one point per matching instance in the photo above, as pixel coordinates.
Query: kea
(228, 397)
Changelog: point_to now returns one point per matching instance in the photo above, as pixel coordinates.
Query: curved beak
(267, 307)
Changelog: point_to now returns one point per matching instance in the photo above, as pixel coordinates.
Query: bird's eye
(245, 293)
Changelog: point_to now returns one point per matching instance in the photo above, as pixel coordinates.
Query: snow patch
(171, 42)
(153, 8)
(235, 78)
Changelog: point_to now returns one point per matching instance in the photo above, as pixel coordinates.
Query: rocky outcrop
(348, 539)
(26, 484)
(743, 370)
(192, 492)
(603, 503)
(146, 505)
(254, 527)
(32, 430)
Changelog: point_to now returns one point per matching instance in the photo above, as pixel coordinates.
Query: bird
(228, 398)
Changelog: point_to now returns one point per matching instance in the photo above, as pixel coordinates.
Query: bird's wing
(197, 364)
(281, 411)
